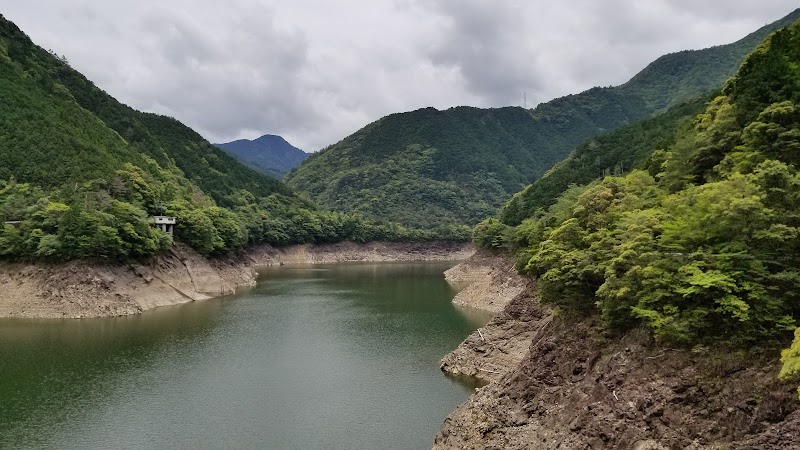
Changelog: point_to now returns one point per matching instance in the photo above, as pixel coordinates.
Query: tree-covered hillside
(80, 173)
(269, 154)
(678, 77)
(703, 246)
(429, 167)
(426, 167)
(611, 153)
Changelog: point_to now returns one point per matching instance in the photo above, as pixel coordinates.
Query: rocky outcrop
(579, 387)
(489, 282)
(81, 289)
(495, 349)
(783, 435)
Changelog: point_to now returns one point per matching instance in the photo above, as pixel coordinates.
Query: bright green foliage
(427, 168)
(704, 247)
(82, 173)
(89, 223)
(492, 234)
(791, 361)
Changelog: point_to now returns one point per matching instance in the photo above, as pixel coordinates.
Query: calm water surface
(331, 356)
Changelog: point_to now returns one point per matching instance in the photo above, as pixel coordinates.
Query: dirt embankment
(493, 285)
(79, 290)
(489, 282)
(577, 387)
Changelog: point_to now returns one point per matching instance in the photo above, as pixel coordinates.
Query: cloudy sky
(315, 71)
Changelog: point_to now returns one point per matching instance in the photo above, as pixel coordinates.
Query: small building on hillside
(165, 224)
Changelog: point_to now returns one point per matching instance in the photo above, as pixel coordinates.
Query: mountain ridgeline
(80, 173)
(610, 153)
(701, 245)
(269, 154)
(428, 167)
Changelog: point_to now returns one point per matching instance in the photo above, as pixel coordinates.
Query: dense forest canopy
(701, 244)
(427, 167)
(608, 154)
(80, 174)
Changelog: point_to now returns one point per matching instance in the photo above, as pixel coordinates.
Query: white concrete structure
(164, 223)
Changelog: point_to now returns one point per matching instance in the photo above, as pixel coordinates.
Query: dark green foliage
(427, 167)
(767, 76)
(679, 77)
(493, 234)
(406, 167)
(609, 154)
(81, 173)
(457, 166)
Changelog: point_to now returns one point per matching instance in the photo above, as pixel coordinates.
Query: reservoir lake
(340, 356)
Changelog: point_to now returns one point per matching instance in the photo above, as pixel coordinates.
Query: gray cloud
(487, 46)
(315, 71)
(244, 78)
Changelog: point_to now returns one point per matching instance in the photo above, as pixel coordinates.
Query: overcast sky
(315, 71)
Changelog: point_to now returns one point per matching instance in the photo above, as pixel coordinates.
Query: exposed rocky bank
(81, 290)
(559, 383)
(493, 285)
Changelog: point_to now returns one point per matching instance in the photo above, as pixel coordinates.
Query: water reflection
(336, 356)
(49, 369)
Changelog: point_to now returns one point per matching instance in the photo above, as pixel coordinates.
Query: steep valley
(643, 284)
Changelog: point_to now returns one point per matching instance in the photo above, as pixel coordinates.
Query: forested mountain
(269, 154)
(702, 245)
(426, 167)
(429, 167)
(80, 173)
(611, 153)
(678, 77)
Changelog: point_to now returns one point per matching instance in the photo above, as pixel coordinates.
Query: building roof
(163, 219)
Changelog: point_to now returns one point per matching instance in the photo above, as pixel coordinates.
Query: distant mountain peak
(270, 154)
(269, 137)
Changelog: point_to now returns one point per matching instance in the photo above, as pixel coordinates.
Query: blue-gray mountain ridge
(269, 154)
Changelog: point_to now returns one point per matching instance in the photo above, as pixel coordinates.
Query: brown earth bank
(489, 282)
(559, 383)
(82, 289)
(493, 285)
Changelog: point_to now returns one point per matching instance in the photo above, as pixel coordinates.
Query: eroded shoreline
(561, 383)
(492, 284)
(85, 290)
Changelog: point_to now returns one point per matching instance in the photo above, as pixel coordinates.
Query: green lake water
(331, 356)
